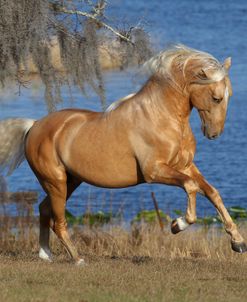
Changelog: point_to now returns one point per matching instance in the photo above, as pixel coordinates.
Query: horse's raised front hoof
(239, 247)
(178, 225)
(80, 262)
(175, 227)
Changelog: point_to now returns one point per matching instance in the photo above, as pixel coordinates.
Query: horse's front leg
(161, 173)
(237, 241)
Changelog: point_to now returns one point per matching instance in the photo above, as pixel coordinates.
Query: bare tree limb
(29, 28)
(64, 10)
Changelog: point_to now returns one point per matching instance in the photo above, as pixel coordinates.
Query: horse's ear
(227, 64)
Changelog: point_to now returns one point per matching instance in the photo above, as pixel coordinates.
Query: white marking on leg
(80, 262)
(182, 224)
(45, 254)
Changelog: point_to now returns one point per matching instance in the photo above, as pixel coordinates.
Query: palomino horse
(144, 138)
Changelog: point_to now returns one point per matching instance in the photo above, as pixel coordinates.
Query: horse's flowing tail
(12, 142)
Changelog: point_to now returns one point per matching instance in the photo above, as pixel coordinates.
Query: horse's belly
(107, 179)
(111, 181)
(106, 172)
(98, 154)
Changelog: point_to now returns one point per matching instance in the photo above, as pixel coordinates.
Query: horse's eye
(217, 100)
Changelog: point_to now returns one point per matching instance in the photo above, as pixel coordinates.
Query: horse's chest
(184, 154)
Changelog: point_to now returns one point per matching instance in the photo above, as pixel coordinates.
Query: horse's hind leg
(46, 222)
(58, 192)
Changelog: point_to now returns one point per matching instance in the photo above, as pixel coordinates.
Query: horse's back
(53, 121)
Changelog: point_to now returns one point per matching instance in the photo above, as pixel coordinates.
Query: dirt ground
(106, 279)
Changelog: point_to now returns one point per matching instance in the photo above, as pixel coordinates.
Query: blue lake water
(218, 27)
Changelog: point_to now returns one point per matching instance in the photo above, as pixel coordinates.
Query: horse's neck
(165, 102)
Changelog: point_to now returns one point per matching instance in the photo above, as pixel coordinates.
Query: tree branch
(61, 9)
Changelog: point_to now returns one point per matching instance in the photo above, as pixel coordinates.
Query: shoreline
(110, 57)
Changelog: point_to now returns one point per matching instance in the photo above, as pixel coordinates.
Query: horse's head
(199, 77)
(210, 97)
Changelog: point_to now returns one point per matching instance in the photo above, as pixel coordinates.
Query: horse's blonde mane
(181, 57)
(117, 103)
(191, 63)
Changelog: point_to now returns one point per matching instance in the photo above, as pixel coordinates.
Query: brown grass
(141, 264)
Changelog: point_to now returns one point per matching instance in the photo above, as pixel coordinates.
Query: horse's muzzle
(210, 134)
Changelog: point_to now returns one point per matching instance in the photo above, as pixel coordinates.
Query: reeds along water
(140, 241)
(145, 242)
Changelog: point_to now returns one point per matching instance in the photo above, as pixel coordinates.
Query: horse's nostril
(214, 136)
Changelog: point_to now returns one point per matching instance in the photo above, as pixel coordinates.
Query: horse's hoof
(45, 254)
(178, 225)
(239, 247)
(175, 227)
(80, 262)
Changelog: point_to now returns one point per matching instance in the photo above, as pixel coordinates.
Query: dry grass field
(141, 264)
